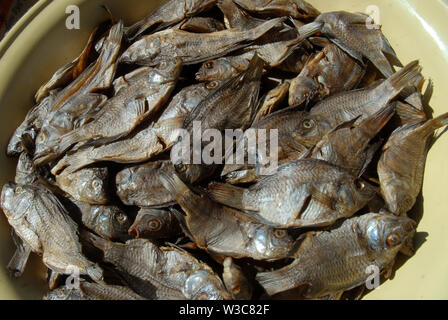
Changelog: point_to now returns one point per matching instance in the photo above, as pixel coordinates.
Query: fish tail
(402, 79)
(432, 125)
(227, 194)
(408, 113)
(276, 281)
(390, 52)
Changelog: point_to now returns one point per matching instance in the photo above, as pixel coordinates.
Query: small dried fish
(41, 221)
(402, 163)
(169, 273)
(353, 34)
(363, 103)
(331, 261)
(192, 47)
(302, 193)
(225, 231)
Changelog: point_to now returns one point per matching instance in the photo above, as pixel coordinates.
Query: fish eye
(360, 185)
(203, 297)
(180, 168)
(18, 190)
(212, 85)
(308, 124)
(96, 184)
(393, 239)
(154, 225)
(60, 293)
(41, 138)
(121, 218)
(163, 65)
(280, 233)
(209, 65)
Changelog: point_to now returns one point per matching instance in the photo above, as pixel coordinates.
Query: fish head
(386, 232)
(168, 70)
(112, 222)
(46, 145)
(398, 197)
(90, 185)
(205, 285)
(147, 48)
(272, 243)
(16, 200)
(310, 130)
(218, 69)
(304, 90)
(151, 223)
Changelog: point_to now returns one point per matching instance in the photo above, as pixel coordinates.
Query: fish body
(202, 25)
(191, 47)
(225, 231)
(327, 262)
(302, 193)
(402, 163)
(348, 145)
(41, 221)
(352, 32)
(363, 103)
(168, 272)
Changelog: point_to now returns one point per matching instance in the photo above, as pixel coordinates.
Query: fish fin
(227, 194)
(409, 114)
(371, 151)
(376, 122)
(167, 130)
(319, 41)
(390, 53)
(67, 140)
(323, 198)
(401, 79)
(180, 217)
(434, 124)
(356, 55)
(428, 93)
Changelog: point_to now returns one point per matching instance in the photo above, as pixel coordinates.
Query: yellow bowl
(40, 43)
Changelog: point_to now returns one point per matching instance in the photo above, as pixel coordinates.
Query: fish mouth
(133, 231)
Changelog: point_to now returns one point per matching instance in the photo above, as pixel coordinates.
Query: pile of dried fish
(98, 195)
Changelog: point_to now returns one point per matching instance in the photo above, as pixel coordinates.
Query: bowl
(40, 43)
